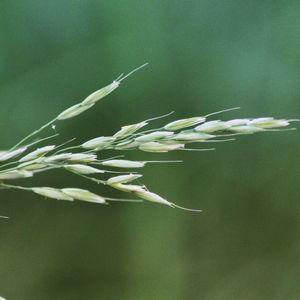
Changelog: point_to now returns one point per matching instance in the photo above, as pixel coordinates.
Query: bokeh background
(204, 56)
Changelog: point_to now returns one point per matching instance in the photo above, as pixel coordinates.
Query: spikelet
(83, 195)
(98, 143)
(267, 123)
(15, 174)
(158, 147)
(33, 167)
(123, 179)
(212, 126)
(152, 197)
(6, 155)
(57, 158)
(129, 130)
(74, 111)
(246, 129)
(192, 136)
(82, 169)
(53, 193)
(238, 122)
(122, 163)
(127, 145)
(37, 153)
(82, 157)
(154, 136)
(128, 188)
(184, 123)
(98, 95)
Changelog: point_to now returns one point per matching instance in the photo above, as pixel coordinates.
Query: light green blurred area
(204, 56)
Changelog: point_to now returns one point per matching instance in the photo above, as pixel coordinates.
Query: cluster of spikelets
(25, 160)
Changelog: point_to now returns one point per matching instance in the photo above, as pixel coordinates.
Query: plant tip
(120, 78)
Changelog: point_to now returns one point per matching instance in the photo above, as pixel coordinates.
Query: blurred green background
(204, 56)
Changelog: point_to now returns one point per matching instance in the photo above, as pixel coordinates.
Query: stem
(120, 78)
(42, 140)
(8, 164)
(160, 117)
(98, 181)
(10, 186)
(222, 111)
(199, 150)
(33, 134)
(162, 161)
(187, 209)
(123, 200)
(66, 149)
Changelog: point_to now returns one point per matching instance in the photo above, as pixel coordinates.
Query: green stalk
(33, 134)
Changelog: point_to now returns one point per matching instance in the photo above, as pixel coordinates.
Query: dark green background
(204, 56)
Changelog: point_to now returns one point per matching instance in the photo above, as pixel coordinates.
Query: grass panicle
(25, 160)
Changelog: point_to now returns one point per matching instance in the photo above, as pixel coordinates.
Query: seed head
(269, 123)
(33, 165)
(212, 126)
(98, 95)
(159, 147)
(131, 144)
(57, 157)
(192, 136)
(15, 174)
(83, 169)
(37, 153)
(129, 129)
(52, 193)
(128, 188)
(184, 123)
(98, 143)
(123, 179)
(74, 111)
(245, 129)
(154, 136)
(122, 163)
(6, 155)
(82, 157)
(83, 195)
(238, 122)
(146, 195)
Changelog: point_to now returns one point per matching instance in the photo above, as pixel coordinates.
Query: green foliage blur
(203, 56)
